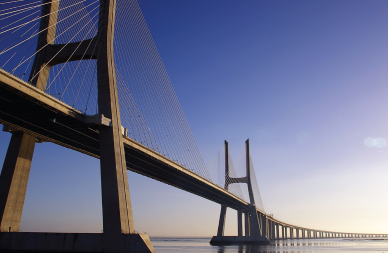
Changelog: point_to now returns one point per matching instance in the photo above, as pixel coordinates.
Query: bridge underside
(25, 108)
(28, 109)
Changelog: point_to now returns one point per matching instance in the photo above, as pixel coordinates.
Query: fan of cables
(222, 178)
(149, 107)
(22, 30)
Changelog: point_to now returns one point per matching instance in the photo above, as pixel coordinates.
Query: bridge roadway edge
(39, 111)
(52, 120)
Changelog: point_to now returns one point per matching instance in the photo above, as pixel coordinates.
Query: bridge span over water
(110, 99)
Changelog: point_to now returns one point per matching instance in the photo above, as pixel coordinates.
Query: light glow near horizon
(306, 81)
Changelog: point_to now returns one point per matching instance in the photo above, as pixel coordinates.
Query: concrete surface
(75, 242)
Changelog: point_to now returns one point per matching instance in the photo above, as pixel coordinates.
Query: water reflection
(201, 245)
(251, 249)
(246, 249)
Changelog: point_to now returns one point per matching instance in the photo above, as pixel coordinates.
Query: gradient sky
(306, 81)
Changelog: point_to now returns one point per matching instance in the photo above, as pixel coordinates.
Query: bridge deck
(26, 108)
(29, 109)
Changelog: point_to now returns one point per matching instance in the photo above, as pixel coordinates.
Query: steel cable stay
(132, 107)
(74, 52)
(173, 113)
(62, 47)
(86, 71)
(216, 168)
(38, 18)
(255, 187)
(74, 79)
(144, 105)
(119, 56)
(149, 106)
(152, 103)
(149, 112)
(9, 59)
(9, 34)
(126, 105)
(240, 166)
(18, 10)
(235, 187)
(86, 75)
(16, 21)
(91, 77)
(153, 100)
(28, 58)
(12, 38)
(20, 47)
(154, 127)
(13, 1)
(30, 48)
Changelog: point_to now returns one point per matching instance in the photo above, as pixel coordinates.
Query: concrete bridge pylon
(256, 224)
(118, 226)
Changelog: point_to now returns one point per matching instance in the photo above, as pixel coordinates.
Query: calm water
(168, 245)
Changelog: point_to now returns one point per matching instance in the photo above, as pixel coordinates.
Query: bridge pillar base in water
(74, 242)
(238, 240)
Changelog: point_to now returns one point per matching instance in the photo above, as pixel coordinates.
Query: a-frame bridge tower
(118, 227)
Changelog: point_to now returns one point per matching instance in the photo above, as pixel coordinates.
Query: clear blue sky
(306, 81)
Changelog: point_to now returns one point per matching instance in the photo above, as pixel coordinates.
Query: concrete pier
(118, 222)
(14, 179)
(239, 223)
(236, 240)
(75, 242)
(258, 229)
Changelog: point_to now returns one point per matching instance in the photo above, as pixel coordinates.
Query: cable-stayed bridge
(86, 75)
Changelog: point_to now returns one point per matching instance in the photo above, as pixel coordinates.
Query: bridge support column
(273, 230)
(118, 224)
(254, 220)
(221, 224)
(269, 229)
(247, 229)
(239, 223)
(14, 179)
(264, 226)
(253, 233)
(17, 163)
(116, 202)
